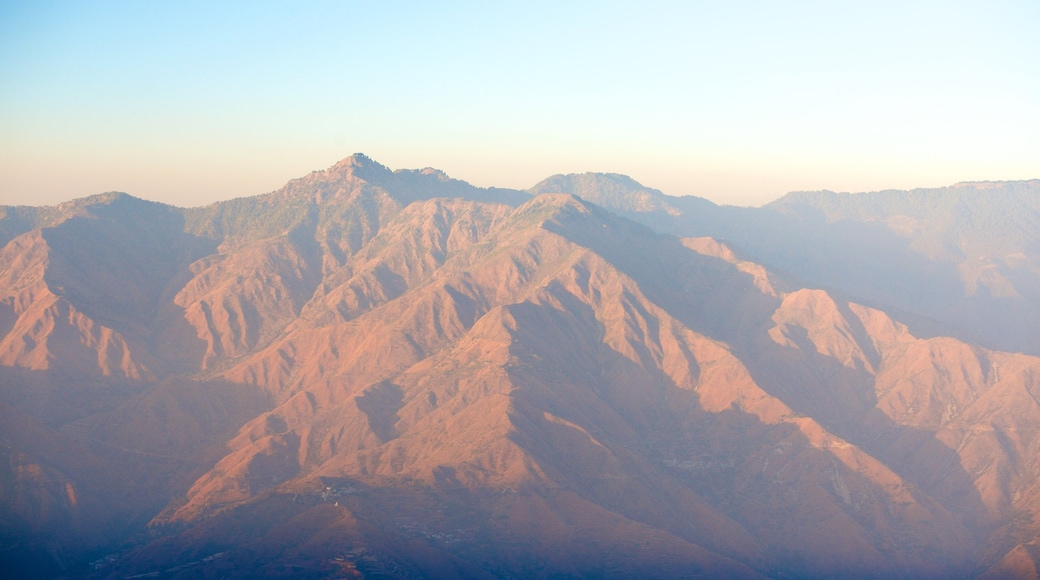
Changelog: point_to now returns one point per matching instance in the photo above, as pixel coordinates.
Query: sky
(739, 102)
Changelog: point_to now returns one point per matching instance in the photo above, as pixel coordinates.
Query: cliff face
(377, 372)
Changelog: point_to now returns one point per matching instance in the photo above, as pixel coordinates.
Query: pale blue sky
(738, 102)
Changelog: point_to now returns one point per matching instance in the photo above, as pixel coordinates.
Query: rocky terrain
(376, 373)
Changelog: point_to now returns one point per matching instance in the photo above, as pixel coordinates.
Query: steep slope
(535, 362)
(395, 373)
(104, 300)
(78, 296)
(148, 289)
(964, 256)
(276, 251)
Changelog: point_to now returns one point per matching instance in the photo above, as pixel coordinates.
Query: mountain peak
(405, 186)
(339, 179)
(359, 165)
(440, 175)
(612, 190)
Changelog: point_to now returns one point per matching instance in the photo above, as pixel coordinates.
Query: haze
(189, 103)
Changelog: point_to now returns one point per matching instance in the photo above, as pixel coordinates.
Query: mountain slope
(964, 256)
(395, 373)
(424, 421)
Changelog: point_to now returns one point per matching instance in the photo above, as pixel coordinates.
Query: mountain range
(376, 373)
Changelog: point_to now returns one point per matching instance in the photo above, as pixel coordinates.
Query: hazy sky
(738, 102)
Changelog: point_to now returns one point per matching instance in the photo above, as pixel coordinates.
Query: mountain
(969, 252)
(393, 373)
(956, 260)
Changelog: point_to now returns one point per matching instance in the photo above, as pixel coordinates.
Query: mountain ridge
(396, 373)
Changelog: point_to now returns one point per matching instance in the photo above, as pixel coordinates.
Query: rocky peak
(359, 165)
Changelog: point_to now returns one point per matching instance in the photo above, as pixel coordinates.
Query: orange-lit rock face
(376, 372)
